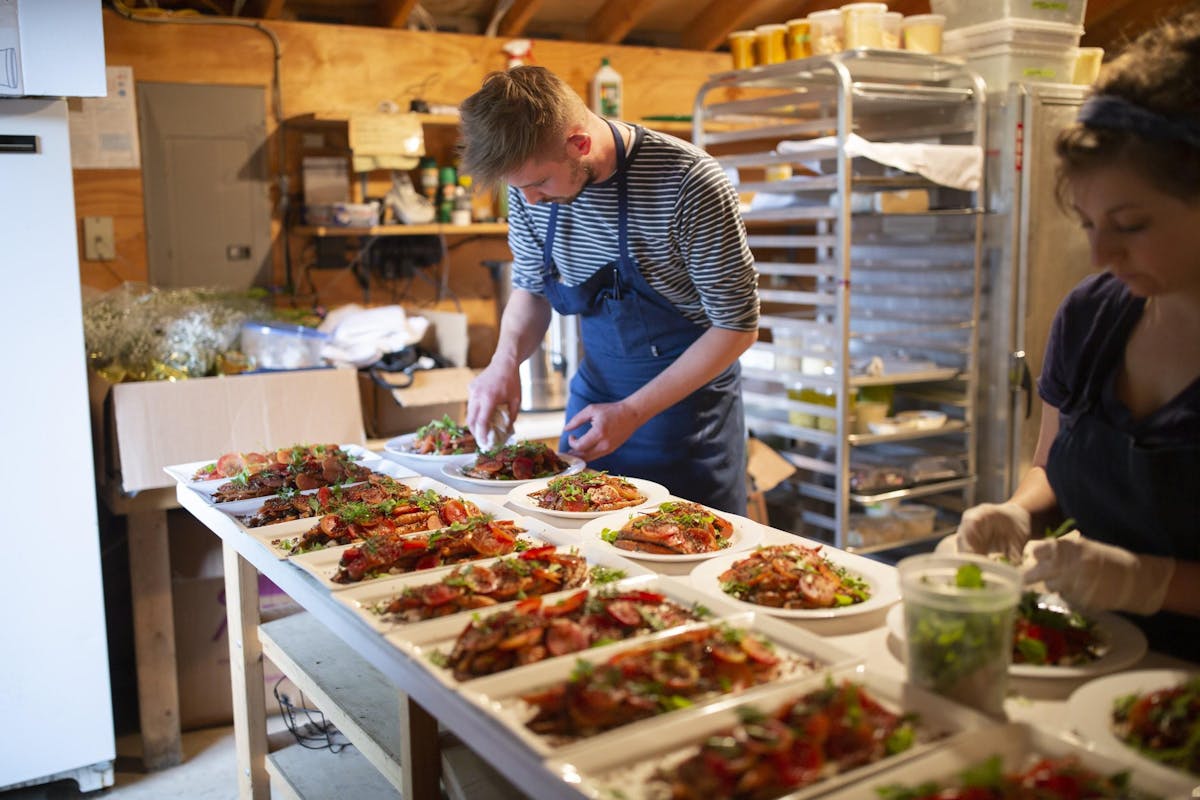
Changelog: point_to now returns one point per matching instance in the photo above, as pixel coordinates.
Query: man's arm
(613, 423)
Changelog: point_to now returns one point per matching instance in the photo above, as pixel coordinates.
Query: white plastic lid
(1016, 29)
(870, 7)
(741, 34)
(926, 19)
(774, 26)
(826, 16)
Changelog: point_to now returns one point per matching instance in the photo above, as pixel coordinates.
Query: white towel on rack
(959, 166)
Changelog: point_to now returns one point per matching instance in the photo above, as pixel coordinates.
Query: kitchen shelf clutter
(860, 175)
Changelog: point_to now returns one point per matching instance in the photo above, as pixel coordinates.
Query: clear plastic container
(862, 25)
(1087, 65)
(890, 36)
(958, 632)
(1004, 64)
(741, 47)
(923, 33)
(915, 520)
(1015, 32)
(960, 13)
(280, 345)
(825, 31)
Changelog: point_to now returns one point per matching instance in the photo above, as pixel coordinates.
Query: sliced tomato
(528, 605)
(537, 553)
(429, 562)
(566, 605)
(230, 464)
(758, 651)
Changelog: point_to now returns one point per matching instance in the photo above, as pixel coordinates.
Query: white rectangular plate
(1019, 745)
(271, 536)
(364, 598)
(499, 695)
(624, 765)
(323, 564)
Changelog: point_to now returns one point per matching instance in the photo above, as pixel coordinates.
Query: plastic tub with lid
(1014, 32)
(923, 32)
(862, 24)
(1003, 64)
(825, 31)
(960, 13)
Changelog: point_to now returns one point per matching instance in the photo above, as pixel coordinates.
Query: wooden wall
(337, 70)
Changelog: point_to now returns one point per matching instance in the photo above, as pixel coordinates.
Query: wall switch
(99, 243)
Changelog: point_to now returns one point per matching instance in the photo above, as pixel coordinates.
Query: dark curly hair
(1160, 72)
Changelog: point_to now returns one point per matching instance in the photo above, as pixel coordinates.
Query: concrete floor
(208, 771)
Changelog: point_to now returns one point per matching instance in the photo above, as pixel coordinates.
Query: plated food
(230, 465)
(793, 576)
(309, 468)
(353, 522)
(653, 678)
(674, 528)
(291, 506)
(1162, 724)
(1049, 634)
(821, 734)
(587, 491)
(533, 630)
(474, 538)
(522, 461)
(439, 437)
(533, 573)
(789, 585)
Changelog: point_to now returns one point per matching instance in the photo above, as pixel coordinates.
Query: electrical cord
(314, 734)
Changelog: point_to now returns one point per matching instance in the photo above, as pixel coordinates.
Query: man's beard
(579, 169)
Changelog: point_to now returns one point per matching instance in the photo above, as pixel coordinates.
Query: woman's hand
(1100, 576)
(995, 528)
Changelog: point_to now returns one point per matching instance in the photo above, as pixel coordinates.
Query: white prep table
(424, 702)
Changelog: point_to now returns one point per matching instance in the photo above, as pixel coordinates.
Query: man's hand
(994, 528)
(1100, 576)
(611, 425)
(497, 387)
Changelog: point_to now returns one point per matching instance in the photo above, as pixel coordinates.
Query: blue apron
(631, 333)
(1144, 499)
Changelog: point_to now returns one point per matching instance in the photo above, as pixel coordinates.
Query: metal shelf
(845, 287)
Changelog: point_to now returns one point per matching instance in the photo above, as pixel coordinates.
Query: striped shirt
(685, 233)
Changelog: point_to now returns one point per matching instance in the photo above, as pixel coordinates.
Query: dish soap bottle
(606, 91)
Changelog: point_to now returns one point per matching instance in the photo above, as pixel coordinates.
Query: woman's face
(1147, 239)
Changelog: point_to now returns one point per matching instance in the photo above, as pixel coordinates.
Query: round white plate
(401, 447)
(1090, 713)
(455, 470)
(885, 590)
(654, 493)
(746, 534)
(1126, 646)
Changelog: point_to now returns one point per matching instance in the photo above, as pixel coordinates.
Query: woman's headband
(1111, 112)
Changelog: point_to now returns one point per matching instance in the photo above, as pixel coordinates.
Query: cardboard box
(139, 428)
(402, 408)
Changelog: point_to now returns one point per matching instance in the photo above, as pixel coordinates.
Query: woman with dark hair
(1119, 446)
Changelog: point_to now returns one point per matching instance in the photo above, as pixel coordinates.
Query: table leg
(420, 752)
(154, 638)
(246, 674)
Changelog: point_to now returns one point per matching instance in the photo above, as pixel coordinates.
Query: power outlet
(99, 243)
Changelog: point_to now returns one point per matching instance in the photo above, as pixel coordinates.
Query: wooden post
(420, 752)
(246, 674)
(154, 638)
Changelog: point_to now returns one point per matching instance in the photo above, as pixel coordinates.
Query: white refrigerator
(54, 681)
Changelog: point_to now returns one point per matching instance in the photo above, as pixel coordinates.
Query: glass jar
(769, 41)
(798, 42)
(741, 47)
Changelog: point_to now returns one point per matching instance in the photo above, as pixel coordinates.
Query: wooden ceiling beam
(615, 19)
(1122, 20)
(517, 18)
(395, 13)
(272, 9)
(713, 25)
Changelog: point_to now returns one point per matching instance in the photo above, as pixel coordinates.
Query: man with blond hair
(640, 235)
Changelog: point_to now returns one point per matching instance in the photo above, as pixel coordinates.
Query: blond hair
(516, 115)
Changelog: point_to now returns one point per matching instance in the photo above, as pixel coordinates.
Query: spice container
(958, 622)
(890, 35)
(798, 42)
(825, 31)
(916, 520)
(741, 47)
(862, 25)
(770, 43)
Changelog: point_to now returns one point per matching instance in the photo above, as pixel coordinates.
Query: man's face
(553, 180)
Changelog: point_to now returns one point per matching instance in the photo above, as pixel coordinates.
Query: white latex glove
(1099, 576)
(994, 528)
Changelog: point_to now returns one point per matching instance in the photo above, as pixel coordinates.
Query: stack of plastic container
(1014, 41)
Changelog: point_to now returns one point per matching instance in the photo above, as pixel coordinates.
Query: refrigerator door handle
(1020, 379)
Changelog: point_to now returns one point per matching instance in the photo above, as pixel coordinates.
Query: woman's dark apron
(1144, 499)
(697, 447)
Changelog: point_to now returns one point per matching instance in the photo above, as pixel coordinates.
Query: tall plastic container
(607, 89)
